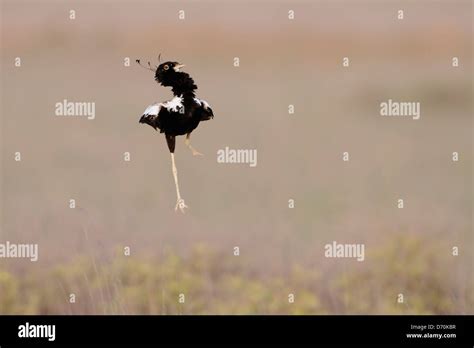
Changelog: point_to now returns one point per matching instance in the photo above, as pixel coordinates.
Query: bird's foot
(181, 205)
(196, 153)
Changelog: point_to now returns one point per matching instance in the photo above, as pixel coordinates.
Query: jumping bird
(178, 116)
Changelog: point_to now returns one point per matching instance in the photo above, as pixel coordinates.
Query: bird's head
(167, 73)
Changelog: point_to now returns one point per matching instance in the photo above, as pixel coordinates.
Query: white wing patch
(152, 110)
(202, 102)
(174, 104)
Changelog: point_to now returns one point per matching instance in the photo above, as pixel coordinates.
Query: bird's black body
(184, 112)
(179, 120)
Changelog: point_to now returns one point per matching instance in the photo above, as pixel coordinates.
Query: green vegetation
(214, 283)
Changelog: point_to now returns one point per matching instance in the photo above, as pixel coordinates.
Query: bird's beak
(179, 66)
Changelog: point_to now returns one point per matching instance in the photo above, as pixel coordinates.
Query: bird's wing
(150, 115)
(152, 110)
(173, 105)
(207, 112)
(202, 102)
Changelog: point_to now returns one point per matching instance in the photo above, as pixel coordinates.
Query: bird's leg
(171, 141)
(187, 141)
(180, 202)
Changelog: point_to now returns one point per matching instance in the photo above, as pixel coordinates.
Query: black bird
(178, 116)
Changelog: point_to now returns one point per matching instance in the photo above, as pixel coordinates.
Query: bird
(179, 116)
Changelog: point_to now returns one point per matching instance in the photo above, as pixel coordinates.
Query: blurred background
(131, 204)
